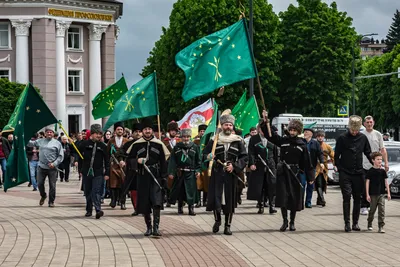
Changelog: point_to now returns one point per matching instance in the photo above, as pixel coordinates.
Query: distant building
(65, 48)
(371, 48)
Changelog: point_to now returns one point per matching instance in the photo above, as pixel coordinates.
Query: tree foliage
(9, 94)
(393, 36)
(318, 41)
(193, 19)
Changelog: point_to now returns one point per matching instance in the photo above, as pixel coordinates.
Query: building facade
(372, 49)
(66, 48)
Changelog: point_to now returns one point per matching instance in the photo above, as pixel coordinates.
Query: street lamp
(353, 74)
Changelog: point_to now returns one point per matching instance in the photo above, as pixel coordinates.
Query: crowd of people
(157, 170)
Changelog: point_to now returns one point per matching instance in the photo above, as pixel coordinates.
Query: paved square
(31, 235)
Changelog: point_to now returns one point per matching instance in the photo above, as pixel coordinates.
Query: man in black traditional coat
(262, 179)
(231, 152)
(149, 159)
(294, 160)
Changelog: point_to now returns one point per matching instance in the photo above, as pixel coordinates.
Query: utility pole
(251, 81)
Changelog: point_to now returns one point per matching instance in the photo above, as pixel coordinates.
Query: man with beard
(262, 178)
(294, 160)
(184, 168)
(149, 156)
(204, 180)
(117, 175)
(229, 160)
(51, 155)
(130, 183)
(349, 150)
(95, 168)
(321, 175)
(316, 156)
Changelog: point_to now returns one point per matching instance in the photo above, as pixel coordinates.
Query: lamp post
(353, 73)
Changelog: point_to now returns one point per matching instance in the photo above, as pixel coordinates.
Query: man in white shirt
(375, 139)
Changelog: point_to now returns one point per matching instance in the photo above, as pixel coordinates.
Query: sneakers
(370, 227)
(364, 211)
(51, 205)
(381, 230)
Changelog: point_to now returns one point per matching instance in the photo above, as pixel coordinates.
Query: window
(5, 73)
(75, 81)
(75, 38)
(5, 35)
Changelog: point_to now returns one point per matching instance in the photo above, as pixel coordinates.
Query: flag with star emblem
(104, 102)
(30, 115)
(239, 104)
(211, 128)
(247, 116)
(219, 59)
(138, 102)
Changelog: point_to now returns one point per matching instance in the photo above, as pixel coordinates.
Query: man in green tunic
(184, 168)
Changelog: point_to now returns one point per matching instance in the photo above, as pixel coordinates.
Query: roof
(114, 2)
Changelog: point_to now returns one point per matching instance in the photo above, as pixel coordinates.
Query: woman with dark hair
(107, 136)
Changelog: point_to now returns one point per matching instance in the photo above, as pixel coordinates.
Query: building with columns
(66, 48)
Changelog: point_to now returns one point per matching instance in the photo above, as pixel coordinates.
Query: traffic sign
(343, 110)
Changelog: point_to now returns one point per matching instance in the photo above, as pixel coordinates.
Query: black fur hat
(296, 125)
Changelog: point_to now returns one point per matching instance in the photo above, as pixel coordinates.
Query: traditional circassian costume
(222, 195)
(130, 183)
(203, 182)
(183, 165)
(170, 143)
(321, 176)
(114, 149)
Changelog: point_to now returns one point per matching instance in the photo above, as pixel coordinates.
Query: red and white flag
(199, 115)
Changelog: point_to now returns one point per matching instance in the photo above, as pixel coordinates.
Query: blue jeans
(307, 188)
(93, 191)
(3, 163)
(33, 164)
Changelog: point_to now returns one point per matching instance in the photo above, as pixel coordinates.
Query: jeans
(3, 163)
(308, 188)
(93, 191)
(41, 177)
(33, 166)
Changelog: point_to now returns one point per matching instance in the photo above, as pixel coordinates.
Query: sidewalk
(31, 235)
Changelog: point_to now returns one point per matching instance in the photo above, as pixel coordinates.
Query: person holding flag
(230, 158)
(204, 180)
(184, 168)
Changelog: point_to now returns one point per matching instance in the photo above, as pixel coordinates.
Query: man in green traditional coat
(184, 168)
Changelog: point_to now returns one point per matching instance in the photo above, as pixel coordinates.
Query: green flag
(239, 104)
(311, 125)
(104, 102)
(30, 115)
(219, 59)
(139, 102)
(248, 116)
(211, 128)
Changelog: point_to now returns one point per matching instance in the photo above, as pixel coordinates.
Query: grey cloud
(143, 19)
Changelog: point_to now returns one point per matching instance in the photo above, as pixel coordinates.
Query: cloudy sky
(143, 19)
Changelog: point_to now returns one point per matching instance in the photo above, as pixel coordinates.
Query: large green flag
(239, 104)
(211, 128)
(30, 115)
(139, 102)
(219, 59)
(104, 102)
(248, 116)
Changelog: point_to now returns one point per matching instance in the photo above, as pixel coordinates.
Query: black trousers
(351, 185)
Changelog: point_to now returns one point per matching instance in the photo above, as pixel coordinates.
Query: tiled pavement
(31, 235)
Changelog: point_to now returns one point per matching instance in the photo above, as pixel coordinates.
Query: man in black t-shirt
(376, 183)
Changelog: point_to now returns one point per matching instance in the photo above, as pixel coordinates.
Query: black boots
(147, 219)
(217, 224)
(292, 218)
(113, 202)
(346, 216)
(320, 199)
(191, 210)
(180, 207)
(204, 199)
(260, 208)
(272, 209)
(285, 220)
(156, 221)
(228, 221)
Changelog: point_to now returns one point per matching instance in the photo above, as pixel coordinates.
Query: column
(22, 49)
(61, 28)
(95, 34)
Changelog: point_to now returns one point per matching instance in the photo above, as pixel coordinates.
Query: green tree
(393, 36)
(318, 41)
(191, 20)
(9, 94)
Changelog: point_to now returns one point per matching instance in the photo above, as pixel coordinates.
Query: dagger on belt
(234, 174)
(266, 165)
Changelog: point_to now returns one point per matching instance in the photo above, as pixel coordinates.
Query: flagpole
(159, 126)
(69, 138)
(158, 108)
